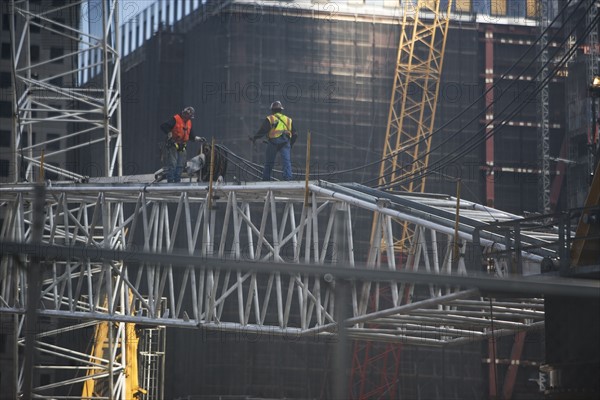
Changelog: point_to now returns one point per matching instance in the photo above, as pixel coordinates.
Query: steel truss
(592, 62)
(84, 115)
(96, 240)
(419, 63)
(407, 143)
(544, 109)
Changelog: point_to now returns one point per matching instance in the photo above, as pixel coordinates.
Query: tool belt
(276, 134)
(178, 146)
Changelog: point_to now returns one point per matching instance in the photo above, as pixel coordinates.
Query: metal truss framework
(84, 116)
(592, 71)
(544, 109)
(93, 271)
(410, 123)
(414, 95)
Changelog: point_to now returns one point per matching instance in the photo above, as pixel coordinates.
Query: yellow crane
(414, 99)
(99, 383)
(411, 118)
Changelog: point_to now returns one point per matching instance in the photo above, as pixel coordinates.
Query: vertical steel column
(34, 278)
(543, 110)
(105, 122)
(593, 71)
(117, 46)
(489, 116)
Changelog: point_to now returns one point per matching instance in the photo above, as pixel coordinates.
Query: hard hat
(276, 105)
(188, 111)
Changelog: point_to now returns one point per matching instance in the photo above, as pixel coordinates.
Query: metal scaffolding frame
(592, 62)
(544, 109)
(84, 115)
(422, 43)
(186, 258)
(209, 261)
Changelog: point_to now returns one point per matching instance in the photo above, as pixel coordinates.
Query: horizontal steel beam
(537, 285)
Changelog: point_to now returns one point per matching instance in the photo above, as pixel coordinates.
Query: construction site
(439, 238)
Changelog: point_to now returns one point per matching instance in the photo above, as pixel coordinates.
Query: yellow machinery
(414, 98)
(406, 149)
(101, 386)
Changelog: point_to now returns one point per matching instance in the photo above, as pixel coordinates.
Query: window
(3, 339)
(52, 145)
(5, 51)
(5, 109)
(53, 176)
(4, 138)
(35, 28)
(463, 6)
(58, 28)
(56, 52)
(498, 7)
(45, 379)
(54, 113)
(531, 8)
(34, 52)
(5, 81)
(4, 169)
(25, 139)
(58, 81)
(5, 22)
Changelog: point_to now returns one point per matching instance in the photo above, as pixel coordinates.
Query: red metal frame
(511, 374)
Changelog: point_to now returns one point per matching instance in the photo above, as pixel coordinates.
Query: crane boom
(414, 96)
(414, 101)
(411, 118)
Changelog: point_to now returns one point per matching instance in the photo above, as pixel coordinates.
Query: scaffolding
(86, 115)
(191, 260)
(214, 265)
(152, 359)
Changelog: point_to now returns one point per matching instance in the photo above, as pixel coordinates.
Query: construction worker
(281, 136)
(179, 131)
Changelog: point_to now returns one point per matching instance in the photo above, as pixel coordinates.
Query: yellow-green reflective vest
(280, 124)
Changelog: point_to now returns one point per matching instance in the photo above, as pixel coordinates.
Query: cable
(254, 168)
(421, 174)
(512, 114)
(574, 48)
(516, 63)
(503, 77)
(475, 102)
(504, 120)
(517, 108)
(492, 104)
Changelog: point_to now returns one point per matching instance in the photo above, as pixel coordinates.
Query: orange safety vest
(181, 130)
(280, 124)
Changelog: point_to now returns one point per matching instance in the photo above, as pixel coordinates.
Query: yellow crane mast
(411, 118)
(414, 98)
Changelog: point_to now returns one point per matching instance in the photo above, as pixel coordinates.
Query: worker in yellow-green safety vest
(280, 136)
(179, 131)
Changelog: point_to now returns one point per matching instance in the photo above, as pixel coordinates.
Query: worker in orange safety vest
(179, 131)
